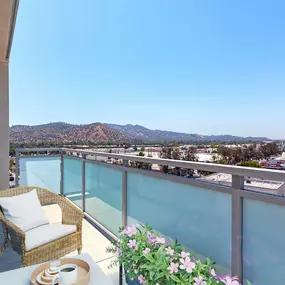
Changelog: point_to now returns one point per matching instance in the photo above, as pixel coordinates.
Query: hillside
(141, 133)
(65, 133)
(102, 133)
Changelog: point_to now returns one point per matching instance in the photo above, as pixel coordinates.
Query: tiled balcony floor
(94, 243)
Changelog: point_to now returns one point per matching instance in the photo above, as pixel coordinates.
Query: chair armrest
(71, 215)
(12, 226)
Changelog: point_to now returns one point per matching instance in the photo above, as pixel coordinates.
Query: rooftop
(250, 183)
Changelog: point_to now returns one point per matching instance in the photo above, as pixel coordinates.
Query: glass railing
(103, 195)
(72, 180)
(241, 230)
(263, 242)
(198, 218)
(40, 171)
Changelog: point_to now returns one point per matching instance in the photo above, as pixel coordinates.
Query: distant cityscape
(140, 141)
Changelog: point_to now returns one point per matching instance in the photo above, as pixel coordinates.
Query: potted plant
(149, 258)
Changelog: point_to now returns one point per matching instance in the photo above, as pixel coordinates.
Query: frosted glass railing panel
(263, 243)
(72, 180)
(104, 195)
(43, 172)
(199, 219)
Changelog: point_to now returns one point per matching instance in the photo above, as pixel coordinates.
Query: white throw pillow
(24, 210)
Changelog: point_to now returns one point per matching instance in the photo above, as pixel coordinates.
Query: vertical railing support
(17, 166)
(61, 173)
(125, 163)
(124, 198)
(124, 205)
(237, 226)
(83, 182)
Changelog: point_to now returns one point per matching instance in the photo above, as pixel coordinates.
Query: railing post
(17, 165)
(237, 226)
(124, 206)
(125, 162)
(83, 182)
(124, 197)
(124, 193)
(61, 173)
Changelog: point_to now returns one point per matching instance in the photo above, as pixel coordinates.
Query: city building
(275, 163)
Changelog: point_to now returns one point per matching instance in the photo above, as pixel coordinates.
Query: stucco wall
(4, 125)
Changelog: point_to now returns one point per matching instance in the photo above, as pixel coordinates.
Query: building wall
(4, 125)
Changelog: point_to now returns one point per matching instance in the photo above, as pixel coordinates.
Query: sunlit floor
(94, 243)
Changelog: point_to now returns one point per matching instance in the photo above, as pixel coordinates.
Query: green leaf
(174, 278)
(149, 257)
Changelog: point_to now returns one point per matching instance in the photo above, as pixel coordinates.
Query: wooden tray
(83, 271)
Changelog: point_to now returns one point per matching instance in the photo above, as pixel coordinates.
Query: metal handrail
(270, 174)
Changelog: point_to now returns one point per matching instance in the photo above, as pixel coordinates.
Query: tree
(176, 154)
(166, 153)
(191, 154)
(270, 149)
(174, 144)
(250, 164)
(12, 165)
(225, 153)
(12, 151)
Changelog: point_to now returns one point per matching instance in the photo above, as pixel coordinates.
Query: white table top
(22, 276)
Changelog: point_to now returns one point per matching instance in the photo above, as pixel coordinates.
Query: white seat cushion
(24, 210)
(47, 233)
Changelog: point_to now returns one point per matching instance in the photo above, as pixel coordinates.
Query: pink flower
(118, 251)
(129, 231)
(141, 279)
(184, 254)
(151, 239)
(169, 251)
(160, 240)
(213, 272)
(132, 231)
(173, 268)
(230, 281)
(187, 264)
(132, 243)
(199, 281)
(146, 251)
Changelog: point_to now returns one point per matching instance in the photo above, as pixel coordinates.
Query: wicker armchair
(49, 251)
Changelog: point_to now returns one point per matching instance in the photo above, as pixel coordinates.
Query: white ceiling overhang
(8, 15)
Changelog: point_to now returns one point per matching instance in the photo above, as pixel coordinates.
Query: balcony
(237, 226)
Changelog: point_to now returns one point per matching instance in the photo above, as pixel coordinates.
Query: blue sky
(197, 66)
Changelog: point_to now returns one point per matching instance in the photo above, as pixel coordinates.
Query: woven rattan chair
(49, 251)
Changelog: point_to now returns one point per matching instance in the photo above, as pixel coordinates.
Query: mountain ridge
(129, 130)
(103, 132)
